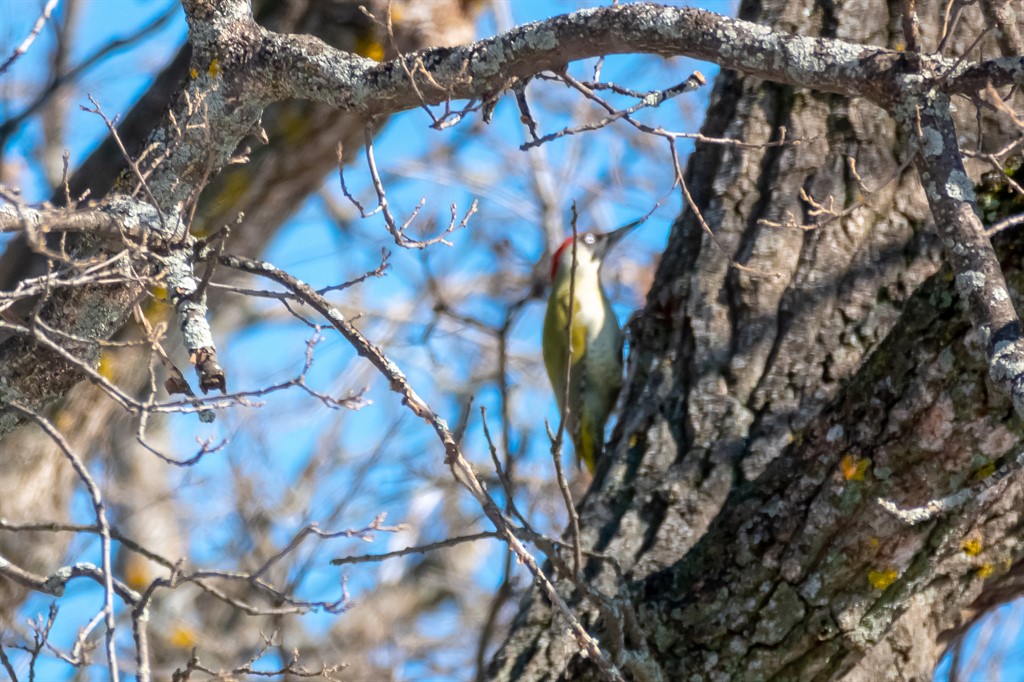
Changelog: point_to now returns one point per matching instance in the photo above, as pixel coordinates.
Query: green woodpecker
(596, 374)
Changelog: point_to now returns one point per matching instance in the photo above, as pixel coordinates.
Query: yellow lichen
(136, 573)
(106, 367)
(984, 472)
(65, 421)
(368, 46)
(882, 579)
(214, 68)
(232, 188)
(971, 546)
(985, 570)
(294, 126)
(854, 468)
(157, 305)
(194, 73)
(183, 637)
(156, 310)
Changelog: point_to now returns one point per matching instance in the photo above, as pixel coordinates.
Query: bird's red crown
(557, 258)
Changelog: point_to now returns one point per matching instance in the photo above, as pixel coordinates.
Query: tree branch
(979, 278)
(304, 67)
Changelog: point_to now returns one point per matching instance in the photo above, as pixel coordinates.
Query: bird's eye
(589, 238)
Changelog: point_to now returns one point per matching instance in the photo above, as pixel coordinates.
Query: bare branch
(417, 549)
(101, 521)
(979, 278)
(478, 70)
(567, 416)
(649, 100)
(22, 47)
(972, 493)
(13, 123)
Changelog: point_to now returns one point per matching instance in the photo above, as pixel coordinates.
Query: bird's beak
(608, 240)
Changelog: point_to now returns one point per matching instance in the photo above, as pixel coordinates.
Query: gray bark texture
(763, 415)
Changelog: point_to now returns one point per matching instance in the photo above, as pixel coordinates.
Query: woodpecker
(596, 375)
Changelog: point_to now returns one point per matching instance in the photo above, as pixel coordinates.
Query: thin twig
(13, 123)
(22, 48)
(128, 159)
(911, 27)
(566, 416)
(944, 505)
(415, 549)
(101, 521)
(651, 99)
(398, 231)
(1005, 224)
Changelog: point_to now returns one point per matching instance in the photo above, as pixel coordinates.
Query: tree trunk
(767, 407)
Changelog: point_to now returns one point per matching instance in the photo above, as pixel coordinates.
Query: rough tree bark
(763, 416)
